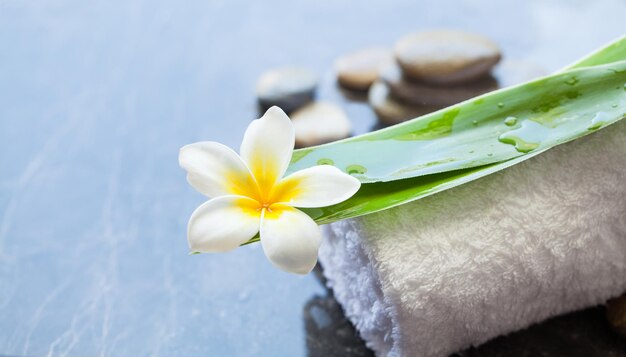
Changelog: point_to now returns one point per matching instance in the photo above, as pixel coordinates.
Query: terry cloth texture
(458, 268)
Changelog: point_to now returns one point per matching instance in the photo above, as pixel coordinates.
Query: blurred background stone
(358, 70)
(421, 93)
(446, 56)
(287, 87)
(319, 123)
(391, 111)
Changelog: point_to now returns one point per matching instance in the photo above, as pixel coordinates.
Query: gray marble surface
(97, 96)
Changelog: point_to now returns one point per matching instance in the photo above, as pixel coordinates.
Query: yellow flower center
(268, 198)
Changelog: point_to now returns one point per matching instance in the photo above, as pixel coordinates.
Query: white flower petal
(317, 186)
(223, 223)
(267, 147)
(290, 239)
(215, 170)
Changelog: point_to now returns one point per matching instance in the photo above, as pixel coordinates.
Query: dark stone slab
(580, 334)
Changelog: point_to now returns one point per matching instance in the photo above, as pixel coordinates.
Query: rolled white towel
(458, 268)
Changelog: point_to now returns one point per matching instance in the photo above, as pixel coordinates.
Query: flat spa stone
(319, 123)
(391, 111)
(358, 70)
(428, 94)
(287, 87)
(446, 56)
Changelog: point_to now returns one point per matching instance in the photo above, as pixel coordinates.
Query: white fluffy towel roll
(541, 238)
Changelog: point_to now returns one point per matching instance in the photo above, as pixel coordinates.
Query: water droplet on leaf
(598, 121)
(526, 138)
(510, 121)
(356, 169)
(325, 162)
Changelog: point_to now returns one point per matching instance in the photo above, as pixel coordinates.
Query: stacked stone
(433, 70)
(427, 71)
(358, 70)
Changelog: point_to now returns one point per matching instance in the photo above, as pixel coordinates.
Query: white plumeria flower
(249, 194)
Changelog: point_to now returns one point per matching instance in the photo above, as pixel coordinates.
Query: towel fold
(458, 268)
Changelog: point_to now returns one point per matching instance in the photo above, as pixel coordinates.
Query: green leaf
(548, 112)
(492, 128)
(475, 138)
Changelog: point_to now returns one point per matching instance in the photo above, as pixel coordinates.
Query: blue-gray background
(96, 97)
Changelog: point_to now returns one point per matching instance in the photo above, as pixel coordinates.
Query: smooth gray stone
(446, 56)
(320, 122)
(358, 70)
(391, 111)
(289, 88)
(422, 93)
